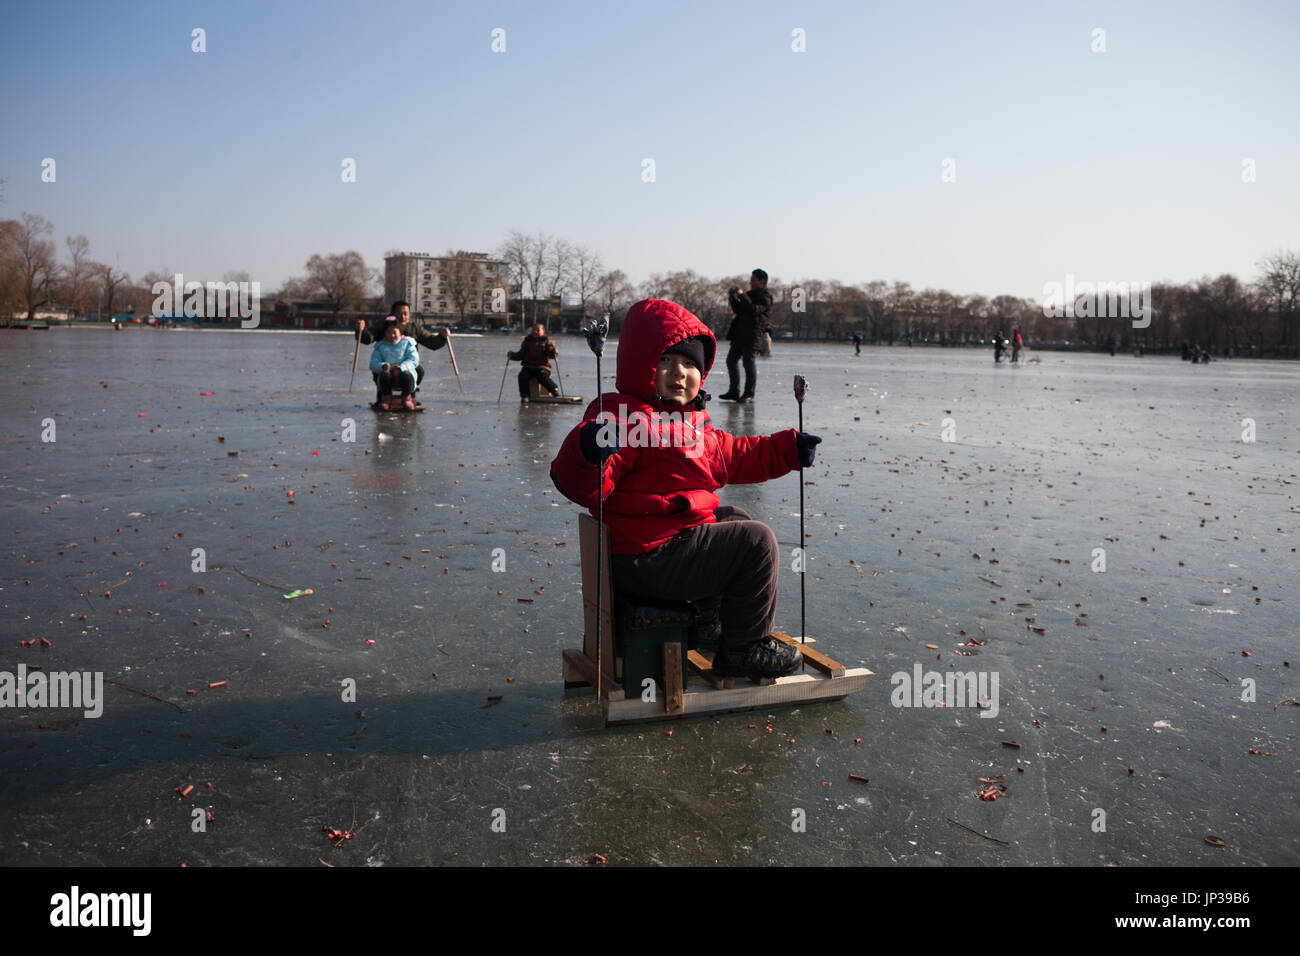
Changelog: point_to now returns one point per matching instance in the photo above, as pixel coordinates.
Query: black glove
(807, 445)
(592, 449)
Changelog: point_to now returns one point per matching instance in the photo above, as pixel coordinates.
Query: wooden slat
(795, 689)
(705, 668)
(816, 659)
(674, 696)
(578, 665)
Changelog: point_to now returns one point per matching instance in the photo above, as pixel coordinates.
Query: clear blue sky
(1122, 165)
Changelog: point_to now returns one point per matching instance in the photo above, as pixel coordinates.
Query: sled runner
(644, 652)
(535, 396)
(395, 406)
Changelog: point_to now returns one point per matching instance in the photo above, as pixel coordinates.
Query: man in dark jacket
(431, 340)
(535, 355)
(748, 327)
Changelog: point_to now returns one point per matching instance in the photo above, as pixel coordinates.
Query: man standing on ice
(748, 327)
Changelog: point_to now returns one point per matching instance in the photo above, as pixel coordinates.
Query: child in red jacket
(660, 462)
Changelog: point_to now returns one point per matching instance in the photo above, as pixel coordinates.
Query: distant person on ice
(393, 362)
(1016, 342)
(669, 536)
(751, 322)
(999, 346)
(414, 328)
(857, 344)
(535, 355)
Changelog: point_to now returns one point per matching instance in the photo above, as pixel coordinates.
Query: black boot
(767, 657)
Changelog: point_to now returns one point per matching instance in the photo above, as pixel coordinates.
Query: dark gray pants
(733, 562)
(543, 376)
(736, 356)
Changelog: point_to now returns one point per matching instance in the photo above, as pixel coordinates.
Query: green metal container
(641, 628)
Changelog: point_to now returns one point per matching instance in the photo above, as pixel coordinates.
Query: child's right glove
(807, 445)
(595, 449)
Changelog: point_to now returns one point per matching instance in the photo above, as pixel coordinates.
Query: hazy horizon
(1122, 165)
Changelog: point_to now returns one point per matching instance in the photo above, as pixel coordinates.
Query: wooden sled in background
(395, 404)
(644, 645)
(535, 395)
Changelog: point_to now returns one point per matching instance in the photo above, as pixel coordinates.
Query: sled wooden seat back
(637, 641)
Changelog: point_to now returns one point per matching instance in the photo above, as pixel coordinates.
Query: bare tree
(340, 279)
(296, 289)
(701, 295)
(463, 278)
(110, 279)
(875, 295)
(1279, 281)
(899, 306)
(586, 273)
(76, 274)
(514, 252)
(557, 269)
(810, 297)
(28, 261)
(528, 257)
(851, 303)
(141, 294)
(10, 286)
(614, 293)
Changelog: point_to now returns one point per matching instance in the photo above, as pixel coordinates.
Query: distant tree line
(1260, 317)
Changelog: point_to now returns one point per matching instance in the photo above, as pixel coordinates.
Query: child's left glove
(807, 445)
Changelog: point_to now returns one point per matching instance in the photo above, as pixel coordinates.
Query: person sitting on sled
(535, 355)
(394, 361)
(413, 328)
(662, 462)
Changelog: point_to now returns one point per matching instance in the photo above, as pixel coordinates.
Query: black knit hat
(691, 348)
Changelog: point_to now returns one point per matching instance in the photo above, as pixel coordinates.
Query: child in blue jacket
(394, 360)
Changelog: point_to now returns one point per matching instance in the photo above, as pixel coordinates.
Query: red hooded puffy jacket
(662, 479)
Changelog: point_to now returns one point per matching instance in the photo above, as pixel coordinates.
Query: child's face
(677, 379)
(392, 333)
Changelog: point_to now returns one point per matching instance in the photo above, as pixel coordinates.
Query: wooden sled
(535, 395)
(395, 405)
(651, 654)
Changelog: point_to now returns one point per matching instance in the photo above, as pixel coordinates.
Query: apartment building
(433, 284)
